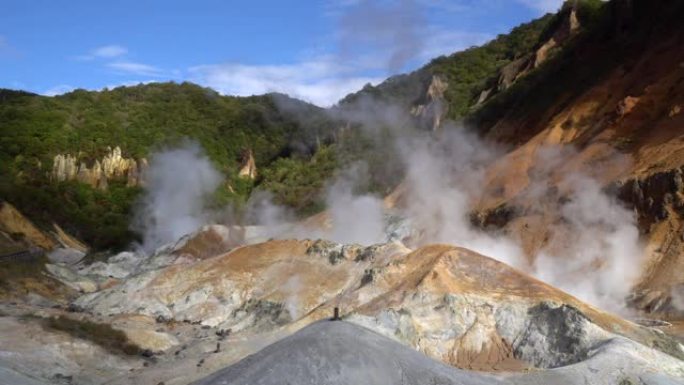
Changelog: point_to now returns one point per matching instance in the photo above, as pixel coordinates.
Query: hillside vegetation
(475, 69)
(282, 133)
(467, 72)
(297, 146)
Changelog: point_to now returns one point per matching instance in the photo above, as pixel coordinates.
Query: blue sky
(315, 50)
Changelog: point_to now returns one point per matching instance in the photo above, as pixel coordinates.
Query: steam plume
(392, 28)
(178, 182)
(593, 250)
(355, 218)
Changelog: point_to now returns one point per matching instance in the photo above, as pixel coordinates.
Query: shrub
(104, 335)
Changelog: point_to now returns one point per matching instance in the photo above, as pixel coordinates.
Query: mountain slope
(598, 94)
(54, 149)
(615, 99)
(68, 139)
(454, 305)
(600, 80)
(201, 306)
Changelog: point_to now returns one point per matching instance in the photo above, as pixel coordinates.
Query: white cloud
(105, 52)
(58, 90)
(321, 82)
(544, 6)
(324, 80)
(134, 68)
(110, 51)
(116, 58)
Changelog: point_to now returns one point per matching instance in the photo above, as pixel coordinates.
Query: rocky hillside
(593, 91)
(347, 353)
(615, 99)
(70, 151)
(558, 149)
(202, 304)
(598, 82)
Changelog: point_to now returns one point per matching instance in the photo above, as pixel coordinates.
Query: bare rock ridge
(248, 169)
(432, 111)
(15, 225)
(19, 234)
(455, 306)
(214, 289)
(567, 28)
(112, 166)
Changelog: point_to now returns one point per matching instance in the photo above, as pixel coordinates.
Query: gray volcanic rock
(616, 362)
(335, 352)
(9, 376)
(453, 305)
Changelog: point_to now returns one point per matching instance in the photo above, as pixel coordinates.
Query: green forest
(284, 135)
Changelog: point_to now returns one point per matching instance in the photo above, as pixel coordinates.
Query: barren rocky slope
(340, 353)
(346, 354)
(199, 306)
(618, 105)
(600, 101)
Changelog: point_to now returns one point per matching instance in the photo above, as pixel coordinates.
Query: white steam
(591, 248)
(443, 179)
(600, 256)
(354, 218)
(594, 251)
(387, 34)
(178, 182)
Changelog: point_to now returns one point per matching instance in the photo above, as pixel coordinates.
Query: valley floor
(257, 314)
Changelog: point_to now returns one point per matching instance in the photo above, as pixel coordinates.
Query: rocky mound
(203, 304)
(454, 305)
(332, 352)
